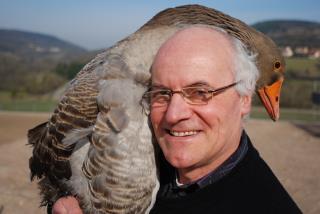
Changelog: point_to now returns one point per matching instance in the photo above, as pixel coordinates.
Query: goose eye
(277, 64)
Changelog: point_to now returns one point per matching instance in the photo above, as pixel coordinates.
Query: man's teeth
(181, 134)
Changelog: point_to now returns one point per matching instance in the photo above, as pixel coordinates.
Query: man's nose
(177, 109)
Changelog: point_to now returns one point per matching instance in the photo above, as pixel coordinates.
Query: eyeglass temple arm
(219, 90)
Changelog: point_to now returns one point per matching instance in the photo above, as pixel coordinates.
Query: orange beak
(270, 97)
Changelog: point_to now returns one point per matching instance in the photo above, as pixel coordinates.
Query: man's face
(197, 138)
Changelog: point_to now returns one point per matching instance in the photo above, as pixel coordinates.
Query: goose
(98, 145)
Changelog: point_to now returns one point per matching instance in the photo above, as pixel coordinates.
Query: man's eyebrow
(158, 86)
(199, 83)
(195, 84)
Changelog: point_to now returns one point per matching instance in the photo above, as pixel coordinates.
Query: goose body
(97, 144)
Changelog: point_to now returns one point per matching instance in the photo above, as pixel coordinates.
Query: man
(202, 84)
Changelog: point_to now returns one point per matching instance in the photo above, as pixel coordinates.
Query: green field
(26, 103)
(289, 114)
(303, 66)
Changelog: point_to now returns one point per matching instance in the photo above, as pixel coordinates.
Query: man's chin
(180, 163)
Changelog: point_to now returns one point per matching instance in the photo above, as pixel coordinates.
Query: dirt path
(294, 156)
(15, 125)
(292, 153)
(18, 194)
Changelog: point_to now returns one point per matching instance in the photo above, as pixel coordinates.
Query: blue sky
(95, 24)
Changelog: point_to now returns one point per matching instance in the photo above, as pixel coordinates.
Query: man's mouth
(182, 134)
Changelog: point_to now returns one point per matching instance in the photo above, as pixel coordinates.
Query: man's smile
(182, 134)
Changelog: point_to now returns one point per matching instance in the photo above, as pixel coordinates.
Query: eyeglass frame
(213, 92)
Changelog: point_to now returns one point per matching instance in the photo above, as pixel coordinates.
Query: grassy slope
(303, 66)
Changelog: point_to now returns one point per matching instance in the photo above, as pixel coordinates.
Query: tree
(69, 70)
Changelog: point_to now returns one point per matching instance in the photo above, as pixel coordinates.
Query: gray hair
(245, 68)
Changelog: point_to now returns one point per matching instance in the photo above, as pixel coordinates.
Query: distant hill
(292, 33)
(27, 60)
(36, 46)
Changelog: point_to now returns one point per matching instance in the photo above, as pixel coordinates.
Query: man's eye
(161, 93)
(200, 92)
(161, 96)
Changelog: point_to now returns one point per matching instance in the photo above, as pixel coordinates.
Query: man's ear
(245, 103)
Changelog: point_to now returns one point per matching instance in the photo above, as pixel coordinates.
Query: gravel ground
(289, 149)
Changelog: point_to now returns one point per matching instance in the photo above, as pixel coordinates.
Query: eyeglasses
(194, 95)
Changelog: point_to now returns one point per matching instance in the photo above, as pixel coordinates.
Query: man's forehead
(196, 36)
(193, 40)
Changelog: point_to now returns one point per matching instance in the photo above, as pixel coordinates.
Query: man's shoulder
(253, 171)
(252, 180)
